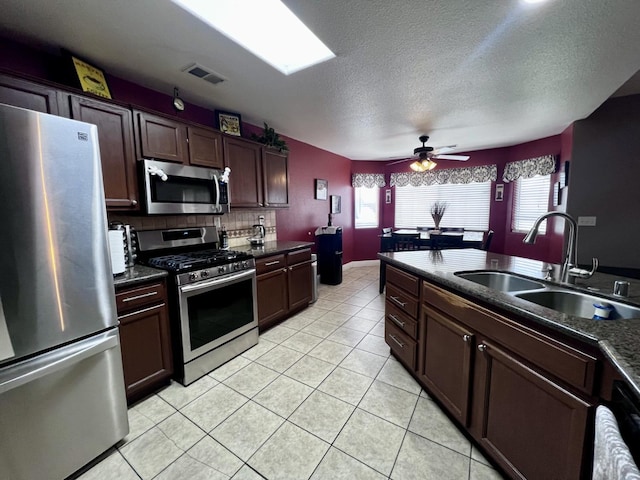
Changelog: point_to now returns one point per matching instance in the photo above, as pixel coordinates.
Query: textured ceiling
(476, 73)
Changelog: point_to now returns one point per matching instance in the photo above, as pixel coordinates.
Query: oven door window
(178, 189)
(214, 314)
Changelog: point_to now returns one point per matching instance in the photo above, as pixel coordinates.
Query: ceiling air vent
(204, 73)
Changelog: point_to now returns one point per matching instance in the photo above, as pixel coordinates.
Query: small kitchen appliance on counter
(212, 295)
(259, 234)
(62, 398)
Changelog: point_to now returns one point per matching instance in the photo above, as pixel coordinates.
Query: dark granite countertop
(619, 340)
(273, 248)
(137, 274)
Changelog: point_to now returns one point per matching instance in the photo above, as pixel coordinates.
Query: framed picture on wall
(336, 204)
(322, 187)
(499, 192)
(228, 122)
(89, 78)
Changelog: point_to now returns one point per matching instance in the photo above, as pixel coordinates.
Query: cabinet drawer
(402, 301)
(299, 256)
(269, 264)
(400, 343)
(139, 296)
(565, 362)
(396, 316)
(403, 280)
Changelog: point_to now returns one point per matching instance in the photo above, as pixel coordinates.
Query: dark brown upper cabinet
(115, 136)
(205, 147)
(29, 95)
(275, 169)
(244, 158)
(162, 138)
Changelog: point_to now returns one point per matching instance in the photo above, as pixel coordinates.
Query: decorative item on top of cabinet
(144, 337)
(115, 136)
(284, 284)
(25, 94)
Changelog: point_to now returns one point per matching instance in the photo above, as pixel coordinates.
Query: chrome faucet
(569, 271)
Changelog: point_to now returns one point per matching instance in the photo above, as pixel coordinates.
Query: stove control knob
(245, 263)
(221, 269)
(204, 274)
(236, 266)
(193, 276)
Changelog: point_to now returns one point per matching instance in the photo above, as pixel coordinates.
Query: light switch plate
(586, 221)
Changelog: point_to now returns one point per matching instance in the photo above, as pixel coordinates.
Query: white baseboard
(361, 263)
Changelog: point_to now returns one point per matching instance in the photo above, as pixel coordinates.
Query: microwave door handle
(215, 181)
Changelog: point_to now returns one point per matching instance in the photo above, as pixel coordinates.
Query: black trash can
(329, 240)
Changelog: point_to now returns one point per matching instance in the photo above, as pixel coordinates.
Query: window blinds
(530, 200)
(468, 205)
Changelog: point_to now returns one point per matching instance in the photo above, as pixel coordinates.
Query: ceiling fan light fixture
(423, 165)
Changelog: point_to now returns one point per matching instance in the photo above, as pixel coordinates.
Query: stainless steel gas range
(212, 297)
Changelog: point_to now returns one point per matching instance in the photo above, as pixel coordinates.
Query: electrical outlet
(586, 221)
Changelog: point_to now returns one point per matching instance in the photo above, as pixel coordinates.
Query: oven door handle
(218, 281)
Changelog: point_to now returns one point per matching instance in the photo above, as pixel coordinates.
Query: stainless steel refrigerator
(62, 400)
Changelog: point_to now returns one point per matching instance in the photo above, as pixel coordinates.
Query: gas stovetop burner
(199, 259)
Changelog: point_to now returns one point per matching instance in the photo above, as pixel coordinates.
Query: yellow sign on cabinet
(91, 79)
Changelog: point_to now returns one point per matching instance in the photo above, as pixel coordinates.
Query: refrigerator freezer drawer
(60, 410)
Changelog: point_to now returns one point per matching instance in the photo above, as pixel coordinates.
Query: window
(530, 200)
(367, 202)
(468, 205)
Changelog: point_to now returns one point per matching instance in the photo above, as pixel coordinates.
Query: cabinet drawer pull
(137, 297)
(134, 202)
(393, 337)
(275, 262)
(466, 338)
(284, 270)
(396, 321)
(397, 300)
(482, 347)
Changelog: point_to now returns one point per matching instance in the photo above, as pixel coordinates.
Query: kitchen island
(521, 379)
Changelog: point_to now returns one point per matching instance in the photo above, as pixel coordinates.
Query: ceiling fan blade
(462, 158)
(400, 161)
(443, 149)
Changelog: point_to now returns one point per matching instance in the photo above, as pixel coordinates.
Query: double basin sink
(566, 301)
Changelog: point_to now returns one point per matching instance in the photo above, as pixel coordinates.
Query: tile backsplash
(238, 223)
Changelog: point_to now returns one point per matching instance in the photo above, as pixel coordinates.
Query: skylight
(267, 28)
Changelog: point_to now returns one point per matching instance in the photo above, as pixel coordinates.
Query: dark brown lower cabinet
(145, 338)
(526, 397)
(447, 357)
(284, 284)
(533, 426)
(272, 296)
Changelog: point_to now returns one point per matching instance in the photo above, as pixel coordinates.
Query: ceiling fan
(427, 154)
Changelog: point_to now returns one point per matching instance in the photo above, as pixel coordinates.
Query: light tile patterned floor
(319, 397)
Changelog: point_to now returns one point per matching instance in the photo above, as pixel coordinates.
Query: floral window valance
(529, 168)
(368, 180)
(483, 173)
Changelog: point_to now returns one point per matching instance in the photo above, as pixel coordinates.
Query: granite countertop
(137, 274)
(273, 248)
(617, 339)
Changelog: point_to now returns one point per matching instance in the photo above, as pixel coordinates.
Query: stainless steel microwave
(171, 188)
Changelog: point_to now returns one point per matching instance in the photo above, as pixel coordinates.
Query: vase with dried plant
(437, 212)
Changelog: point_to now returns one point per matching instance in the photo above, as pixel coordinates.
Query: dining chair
(452, 229)
(405, 242)
(486, 243)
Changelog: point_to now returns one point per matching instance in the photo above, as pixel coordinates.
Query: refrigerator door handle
(25, 373)
(6, 348)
